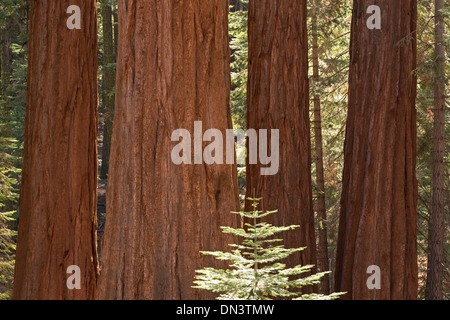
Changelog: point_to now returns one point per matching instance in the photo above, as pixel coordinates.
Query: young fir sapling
(257, 272)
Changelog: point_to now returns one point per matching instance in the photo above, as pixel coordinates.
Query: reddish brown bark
(278, 98)
(57, 225)
(173, 69)
(378, 205)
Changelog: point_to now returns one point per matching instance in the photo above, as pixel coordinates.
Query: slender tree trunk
(278, 98)
(57, 226)
(5, 70)
(173, 69)
(379, 196)
(236, 5)
(108, 81)
(436, 261)
(322, 250)
(116, 31)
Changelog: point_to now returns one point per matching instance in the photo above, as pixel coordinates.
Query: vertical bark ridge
(173, 69)
(57, 226)
(378, 205)
(278, 98)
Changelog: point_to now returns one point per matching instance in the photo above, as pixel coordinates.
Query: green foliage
(8, 172)
(8, 194)
(13, 28)
(242, 183)
(12, 101)
(257, 271)
(333, 28)
(425, 120)
(238, 25)
(333, 37)
(7, 251)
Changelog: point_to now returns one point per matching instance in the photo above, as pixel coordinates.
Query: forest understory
(338, 113)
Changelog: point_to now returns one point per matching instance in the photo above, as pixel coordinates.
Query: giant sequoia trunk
(378, 205)
(173, 69)
(278, 98)
(57, 226)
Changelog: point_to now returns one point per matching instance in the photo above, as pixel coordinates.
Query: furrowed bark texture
(173, 69)
(278, 98)
(57, 226)
(378, 205)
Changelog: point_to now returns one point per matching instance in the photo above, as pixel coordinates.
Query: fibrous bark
(173, 69)
(379, 196)
(278, 98)
(57, 223)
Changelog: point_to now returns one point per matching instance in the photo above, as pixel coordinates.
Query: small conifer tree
(257, 271)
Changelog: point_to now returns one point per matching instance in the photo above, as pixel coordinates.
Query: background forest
(329, 24)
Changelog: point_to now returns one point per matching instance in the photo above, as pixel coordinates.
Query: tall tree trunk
(278, 98)
(322, 250)
(379, 196)
(436, 262)
(109, 81)
(116, 31)
(57, 226)
(173, 69)
(236, 5)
